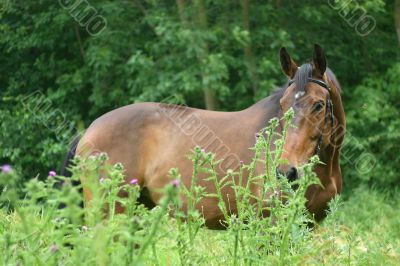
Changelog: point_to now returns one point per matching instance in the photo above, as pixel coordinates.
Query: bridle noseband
(329, 110)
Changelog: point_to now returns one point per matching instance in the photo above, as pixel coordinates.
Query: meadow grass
(364, 230)
(361, 229)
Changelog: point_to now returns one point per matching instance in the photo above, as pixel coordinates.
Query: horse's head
(308, 93)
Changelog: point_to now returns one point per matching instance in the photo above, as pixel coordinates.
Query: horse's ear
(319, 60)
(289, 67)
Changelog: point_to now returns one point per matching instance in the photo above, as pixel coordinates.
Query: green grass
(365, 230)
(362, 229)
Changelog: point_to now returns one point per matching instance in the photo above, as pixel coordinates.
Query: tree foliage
(215, 54)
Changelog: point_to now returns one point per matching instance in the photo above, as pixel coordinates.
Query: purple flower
(203, 150)
(241, 162)
(134, 181)
(52, 173)
(175, 182)
(257, 135)
(6, 168)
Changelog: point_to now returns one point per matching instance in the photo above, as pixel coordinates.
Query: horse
(149, 139)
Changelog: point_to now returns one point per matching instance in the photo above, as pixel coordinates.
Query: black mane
(302, 75)
(301, 79)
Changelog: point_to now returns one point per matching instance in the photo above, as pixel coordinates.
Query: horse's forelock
(302, 75)
(301, 79)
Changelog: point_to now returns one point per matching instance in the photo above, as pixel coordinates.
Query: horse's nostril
(292, 174)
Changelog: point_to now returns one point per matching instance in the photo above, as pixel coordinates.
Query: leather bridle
(329, 109)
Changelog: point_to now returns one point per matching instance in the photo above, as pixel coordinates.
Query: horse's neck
(331, 153)
(267, 108)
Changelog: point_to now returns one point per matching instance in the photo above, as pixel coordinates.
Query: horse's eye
(318, 106)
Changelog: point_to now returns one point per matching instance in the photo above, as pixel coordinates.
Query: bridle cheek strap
(329, 110)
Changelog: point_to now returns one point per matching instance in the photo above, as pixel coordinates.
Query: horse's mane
(301, 79)
(333, 78)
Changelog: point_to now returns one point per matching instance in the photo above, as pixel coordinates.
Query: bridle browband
(329, 110)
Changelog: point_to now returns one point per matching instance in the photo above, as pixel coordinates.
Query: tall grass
(270, 228)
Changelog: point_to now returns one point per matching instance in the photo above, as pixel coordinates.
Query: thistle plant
(271, 219)
(269, 224)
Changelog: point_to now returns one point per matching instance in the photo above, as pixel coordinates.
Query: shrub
(373, 136)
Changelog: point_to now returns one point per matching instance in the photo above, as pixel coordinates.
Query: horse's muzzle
(291, 174)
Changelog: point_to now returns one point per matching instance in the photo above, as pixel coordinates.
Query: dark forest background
(56, 76)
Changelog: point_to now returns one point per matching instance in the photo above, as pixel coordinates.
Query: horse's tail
(64, 171)
(68, 157)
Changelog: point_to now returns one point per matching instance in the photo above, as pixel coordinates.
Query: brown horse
(151, 138)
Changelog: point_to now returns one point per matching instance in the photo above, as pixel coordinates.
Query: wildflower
(84, 228)
(134, 181)
(257, 135)
(52, 173)
(203, 150)
(6, 168)
(101, 179)
(241, 162)
(175, 182)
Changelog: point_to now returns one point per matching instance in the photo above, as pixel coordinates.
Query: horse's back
(121, 133)
(140, 136)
